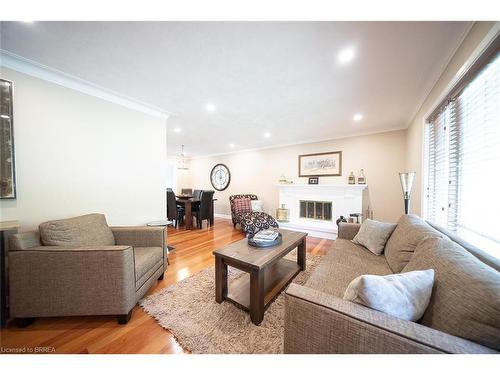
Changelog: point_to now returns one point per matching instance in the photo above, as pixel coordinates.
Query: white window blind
(463, 161)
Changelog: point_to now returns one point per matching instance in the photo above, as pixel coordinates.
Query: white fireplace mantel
(346, 199)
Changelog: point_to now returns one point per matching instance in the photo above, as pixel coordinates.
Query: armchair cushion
(146, 259)
(86, 230)
(139, 236)
(24, 241)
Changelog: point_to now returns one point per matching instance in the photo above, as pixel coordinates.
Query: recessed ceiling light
(267, 134)
(357, 117)
(210, 107)
(346, 55)
(177, 130)
(231, 145)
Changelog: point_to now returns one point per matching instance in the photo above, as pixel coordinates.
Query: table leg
(220, 279)
(257, 296)
(188, 219)
(212, 213)
(301, 254)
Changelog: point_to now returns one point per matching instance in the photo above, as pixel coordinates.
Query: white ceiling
(278, 77)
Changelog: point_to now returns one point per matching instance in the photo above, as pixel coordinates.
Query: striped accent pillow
(242, 205)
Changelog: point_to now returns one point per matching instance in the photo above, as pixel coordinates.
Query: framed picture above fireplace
(321, 164)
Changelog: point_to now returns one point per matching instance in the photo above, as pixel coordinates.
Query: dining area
(191, 208)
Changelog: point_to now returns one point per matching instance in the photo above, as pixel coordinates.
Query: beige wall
(78, 154)
(414, 140)
(381, 155)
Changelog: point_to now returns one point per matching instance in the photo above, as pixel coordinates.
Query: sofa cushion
(146, 258)
(373, 235)
(409, 231)
(403, 295)
(465, 300)
(343, 263)
(86, 230)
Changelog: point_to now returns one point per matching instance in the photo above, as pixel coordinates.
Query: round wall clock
(220, 177)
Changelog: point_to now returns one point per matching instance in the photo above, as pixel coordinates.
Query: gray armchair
(80, 266)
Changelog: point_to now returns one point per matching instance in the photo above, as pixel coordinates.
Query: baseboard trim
(223, 216)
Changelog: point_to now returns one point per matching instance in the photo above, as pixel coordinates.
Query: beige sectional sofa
(462, 317)
(80, 266)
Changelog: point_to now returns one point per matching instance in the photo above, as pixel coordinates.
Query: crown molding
(32, 68)
(298, 143)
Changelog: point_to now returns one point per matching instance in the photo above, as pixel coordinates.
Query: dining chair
(203, 211)
(174, 212)
(197, 194)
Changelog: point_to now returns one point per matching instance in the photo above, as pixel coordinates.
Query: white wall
(381, 155)
(414, 139)
(77, 154)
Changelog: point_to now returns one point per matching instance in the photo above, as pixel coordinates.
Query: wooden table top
(254, 257)
(9, 225)
(182, 200)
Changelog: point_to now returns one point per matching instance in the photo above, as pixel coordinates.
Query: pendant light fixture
(182, 160)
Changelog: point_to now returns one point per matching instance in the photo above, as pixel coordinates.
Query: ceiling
(283, 78)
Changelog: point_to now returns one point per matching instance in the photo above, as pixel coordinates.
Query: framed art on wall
(7, 167)
(321, 164)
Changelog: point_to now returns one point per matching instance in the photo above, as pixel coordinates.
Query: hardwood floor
(193, 252)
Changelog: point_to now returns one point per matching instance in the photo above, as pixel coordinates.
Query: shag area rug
(201, 325)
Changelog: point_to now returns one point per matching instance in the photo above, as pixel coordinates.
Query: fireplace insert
(317, 210)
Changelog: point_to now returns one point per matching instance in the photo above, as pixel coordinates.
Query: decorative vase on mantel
(282, 214)
(361, 177)
(352, 179)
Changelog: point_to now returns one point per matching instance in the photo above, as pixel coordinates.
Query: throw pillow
(373, 235)
(403, 295)
(256, 205)
(242, 206)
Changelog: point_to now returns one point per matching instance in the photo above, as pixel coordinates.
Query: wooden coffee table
(268, 272)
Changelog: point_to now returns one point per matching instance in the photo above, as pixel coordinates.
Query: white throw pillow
(256, 205)
(374, 235)
(403, 295)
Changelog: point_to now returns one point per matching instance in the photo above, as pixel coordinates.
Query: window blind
(463, 160)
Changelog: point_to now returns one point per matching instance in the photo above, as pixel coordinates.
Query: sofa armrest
(348, 231)
(140, 236)
(316, 322)
(65, 281)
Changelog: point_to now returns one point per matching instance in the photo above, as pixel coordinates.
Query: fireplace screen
(316, 210)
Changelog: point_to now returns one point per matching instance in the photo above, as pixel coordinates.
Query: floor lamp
(406, 179)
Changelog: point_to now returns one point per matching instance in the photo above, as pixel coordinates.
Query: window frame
(467, 72)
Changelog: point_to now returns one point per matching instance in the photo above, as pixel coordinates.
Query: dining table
(188, 202)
